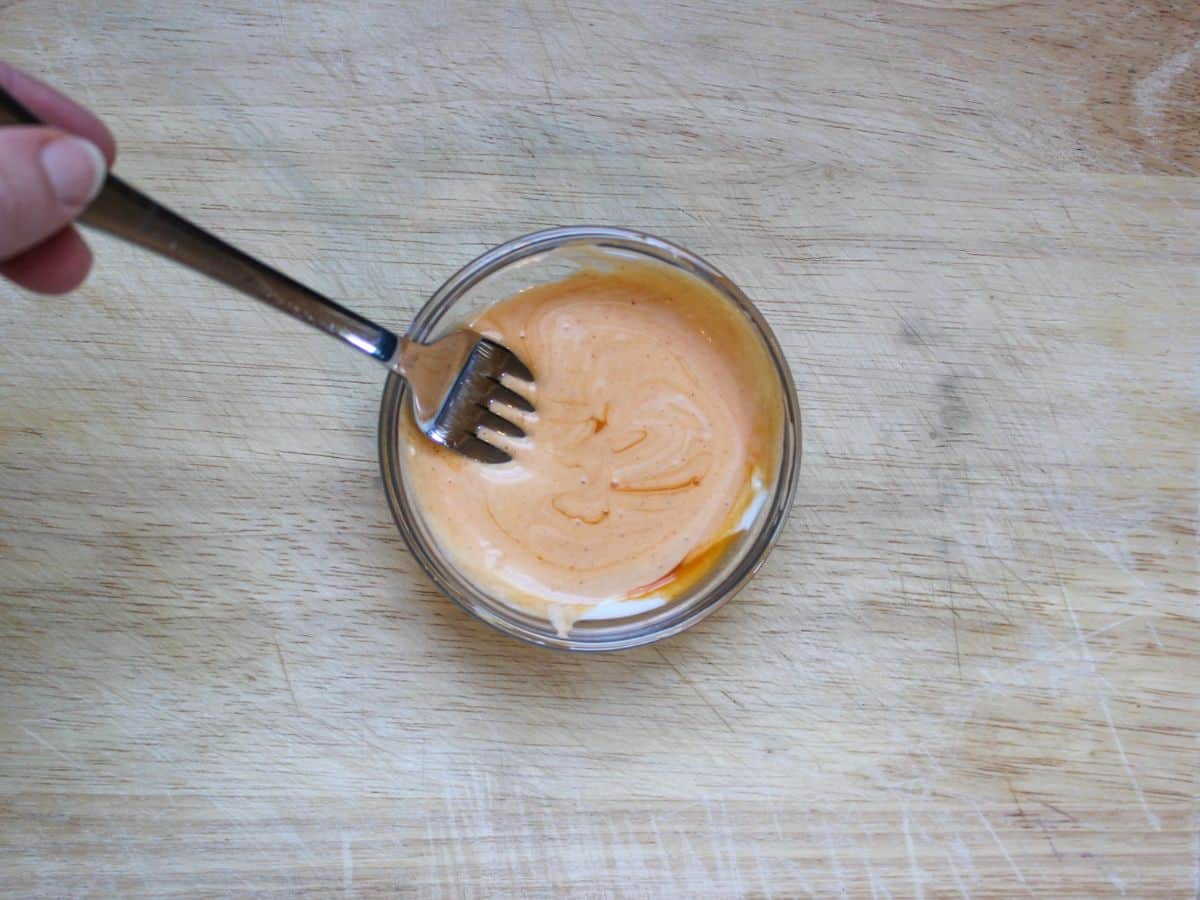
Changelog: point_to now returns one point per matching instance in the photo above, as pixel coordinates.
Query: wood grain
(970, 667)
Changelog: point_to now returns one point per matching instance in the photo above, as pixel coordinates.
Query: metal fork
(454, 382)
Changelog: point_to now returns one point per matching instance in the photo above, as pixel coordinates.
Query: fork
(455, 383)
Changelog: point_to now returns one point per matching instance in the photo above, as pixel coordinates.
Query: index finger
(54, 109)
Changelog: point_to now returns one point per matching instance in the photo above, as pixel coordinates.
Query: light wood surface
(970, 667)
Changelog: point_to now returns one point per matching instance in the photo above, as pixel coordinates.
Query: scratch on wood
(695, 689)
(1062, 812)
(1102, 697)
(287, 677)
(347, 864)
(1151, 91)
(957, 652)
(49, 746)
(1154, 634)
(914, 867)
(1196, 854)
(1003, 849)
(1037, 820)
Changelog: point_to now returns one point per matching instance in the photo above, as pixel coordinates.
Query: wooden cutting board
(970, 667)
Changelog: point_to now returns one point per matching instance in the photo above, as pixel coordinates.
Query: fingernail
(75, 168)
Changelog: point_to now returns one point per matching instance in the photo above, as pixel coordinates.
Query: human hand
(48, 175)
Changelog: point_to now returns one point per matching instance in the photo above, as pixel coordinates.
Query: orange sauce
(657, 425)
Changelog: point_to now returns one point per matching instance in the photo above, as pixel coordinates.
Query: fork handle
(127, 213)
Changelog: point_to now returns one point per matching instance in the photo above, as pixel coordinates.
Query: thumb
(46, 179)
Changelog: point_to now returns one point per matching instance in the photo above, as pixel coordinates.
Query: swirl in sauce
(656, 426)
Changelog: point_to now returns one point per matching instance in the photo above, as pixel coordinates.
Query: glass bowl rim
(748, 560)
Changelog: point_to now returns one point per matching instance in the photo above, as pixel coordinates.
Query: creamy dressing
(656, 429)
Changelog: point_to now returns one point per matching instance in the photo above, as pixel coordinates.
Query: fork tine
(499, 424)
(509, 397)
(463, 420)
(517, 369)
(481, 450)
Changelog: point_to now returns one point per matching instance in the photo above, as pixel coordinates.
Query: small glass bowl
(538, 258)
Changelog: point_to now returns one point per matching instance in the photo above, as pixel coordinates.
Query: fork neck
(125, 212)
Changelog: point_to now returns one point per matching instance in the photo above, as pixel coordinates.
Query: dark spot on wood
(954, 414)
